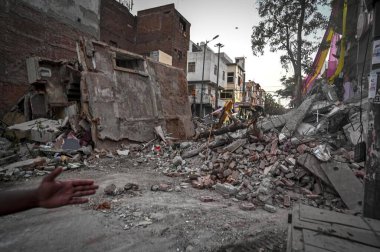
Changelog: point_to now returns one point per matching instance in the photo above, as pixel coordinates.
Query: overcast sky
(232, 21)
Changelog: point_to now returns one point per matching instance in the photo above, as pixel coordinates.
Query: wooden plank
(331, 243)
(289, 238)
(297, 238)
(312, 164)
(310, 248)
(366, 237)
(312, 213)
(344, 181)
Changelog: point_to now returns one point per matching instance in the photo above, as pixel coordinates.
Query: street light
(203, 73)
(219, 45)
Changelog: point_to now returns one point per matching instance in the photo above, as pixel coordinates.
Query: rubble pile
(41, 145)
(303, 155)
(280, 159)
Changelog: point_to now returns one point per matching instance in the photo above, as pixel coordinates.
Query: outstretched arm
(49, 194)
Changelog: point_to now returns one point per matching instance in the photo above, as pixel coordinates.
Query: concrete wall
(128, 104)
(39, 28)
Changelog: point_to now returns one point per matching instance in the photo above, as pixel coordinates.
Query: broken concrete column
(276, 121)
(297, 117)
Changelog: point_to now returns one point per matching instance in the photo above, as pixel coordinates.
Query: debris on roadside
(264, 164)
(269, 161)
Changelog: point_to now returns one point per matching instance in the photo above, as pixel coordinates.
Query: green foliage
(272, 107)
(291, 27)
(289, 84)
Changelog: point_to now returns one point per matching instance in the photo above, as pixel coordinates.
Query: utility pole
(219, 45)
(372, 182)
(244, 87)
(203, 75)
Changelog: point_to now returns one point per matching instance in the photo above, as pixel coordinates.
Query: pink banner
(333, 61)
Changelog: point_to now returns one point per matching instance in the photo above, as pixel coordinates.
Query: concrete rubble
(92, 107)
(267, 171)
(270, 162)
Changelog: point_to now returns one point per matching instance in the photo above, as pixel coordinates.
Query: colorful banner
(333, 61)
(334, 68)
(319, 60)
(342, 46)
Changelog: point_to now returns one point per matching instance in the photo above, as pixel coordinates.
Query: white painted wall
(211, 60)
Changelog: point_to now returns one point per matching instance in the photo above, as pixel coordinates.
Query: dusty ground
(142, 221)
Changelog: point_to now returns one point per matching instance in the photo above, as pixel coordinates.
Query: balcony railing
(207, 99)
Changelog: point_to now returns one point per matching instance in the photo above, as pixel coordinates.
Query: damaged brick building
(29, 28)
(32, 28)
(37, 35)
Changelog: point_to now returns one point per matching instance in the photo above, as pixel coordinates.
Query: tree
(289, 87)
(290, 26)
(271, 107)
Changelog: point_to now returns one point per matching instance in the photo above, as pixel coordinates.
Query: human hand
(52, 193)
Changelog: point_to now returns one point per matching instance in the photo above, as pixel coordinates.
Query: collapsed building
(55, 67)
(34, 28)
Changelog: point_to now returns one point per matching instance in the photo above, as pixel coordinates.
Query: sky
(233, 22)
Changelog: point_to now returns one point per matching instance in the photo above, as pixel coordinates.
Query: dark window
(182, 27)
(215, 69)
(226, 94)
(191, 67)
(230, 77)
(224, 75)
(129, 63)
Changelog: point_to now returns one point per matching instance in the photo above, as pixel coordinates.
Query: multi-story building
(29, 28)
(194, 77)
(161, 28)
(254, 94)
(46, 29)
(233, 89)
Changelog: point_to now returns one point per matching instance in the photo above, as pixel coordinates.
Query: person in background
(50, 194)
(348, 88)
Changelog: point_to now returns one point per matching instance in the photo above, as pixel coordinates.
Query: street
(156, 221)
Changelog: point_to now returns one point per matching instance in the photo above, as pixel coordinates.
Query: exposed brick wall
(117, 25)
(151, 30)
(27, 32)
(160, 29)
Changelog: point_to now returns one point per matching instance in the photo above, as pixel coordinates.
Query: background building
(194, 76)
(254, 94)
(233, 89)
